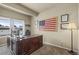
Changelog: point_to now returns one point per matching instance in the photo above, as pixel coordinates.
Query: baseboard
(58, 46)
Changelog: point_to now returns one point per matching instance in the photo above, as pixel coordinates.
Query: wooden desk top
(26, 37)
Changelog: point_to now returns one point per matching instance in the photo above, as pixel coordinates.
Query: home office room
(39, 28)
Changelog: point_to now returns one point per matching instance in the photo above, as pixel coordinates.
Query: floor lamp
(72, 27)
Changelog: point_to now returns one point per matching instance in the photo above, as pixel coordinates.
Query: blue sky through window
(5, 22)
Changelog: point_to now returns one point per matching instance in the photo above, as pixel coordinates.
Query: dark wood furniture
(26, 45)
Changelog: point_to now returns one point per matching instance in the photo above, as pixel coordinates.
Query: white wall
(78, 28)
(61, 37)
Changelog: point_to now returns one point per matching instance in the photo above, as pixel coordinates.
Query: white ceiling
(38, 7)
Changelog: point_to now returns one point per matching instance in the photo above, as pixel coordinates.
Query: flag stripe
(49, 25)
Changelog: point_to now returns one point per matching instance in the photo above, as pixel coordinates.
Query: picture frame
(64, 26)
(65, 18)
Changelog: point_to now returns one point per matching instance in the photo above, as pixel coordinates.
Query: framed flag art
(48, 24)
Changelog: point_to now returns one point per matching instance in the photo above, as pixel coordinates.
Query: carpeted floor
(45, 50)
(4, 50)
(50, 50)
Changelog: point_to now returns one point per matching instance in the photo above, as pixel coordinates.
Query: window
(4, 26)
(11, 26)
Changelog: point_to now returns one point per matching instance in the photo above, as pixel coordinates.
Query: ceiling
(38, 7)
(32, 9)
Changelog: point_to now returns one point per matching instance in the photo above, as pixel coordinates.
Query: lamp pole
(71, 51)
(72, 26)
(72, 40)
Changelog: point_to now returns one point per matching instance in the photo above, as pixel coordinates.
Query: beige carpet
(50, 50)
(4, 50)
(45, 50)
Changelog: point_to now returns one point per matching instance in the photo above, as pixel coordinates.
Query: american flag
(48, 25)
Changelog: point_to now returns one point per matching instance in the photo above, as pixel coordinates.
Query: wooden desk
(26, 45)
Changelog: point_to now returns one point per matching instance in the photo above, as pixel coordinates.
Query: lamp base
(72, 52)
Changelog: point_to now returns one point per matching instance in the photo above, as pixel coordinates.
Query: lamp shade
(72, 26)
